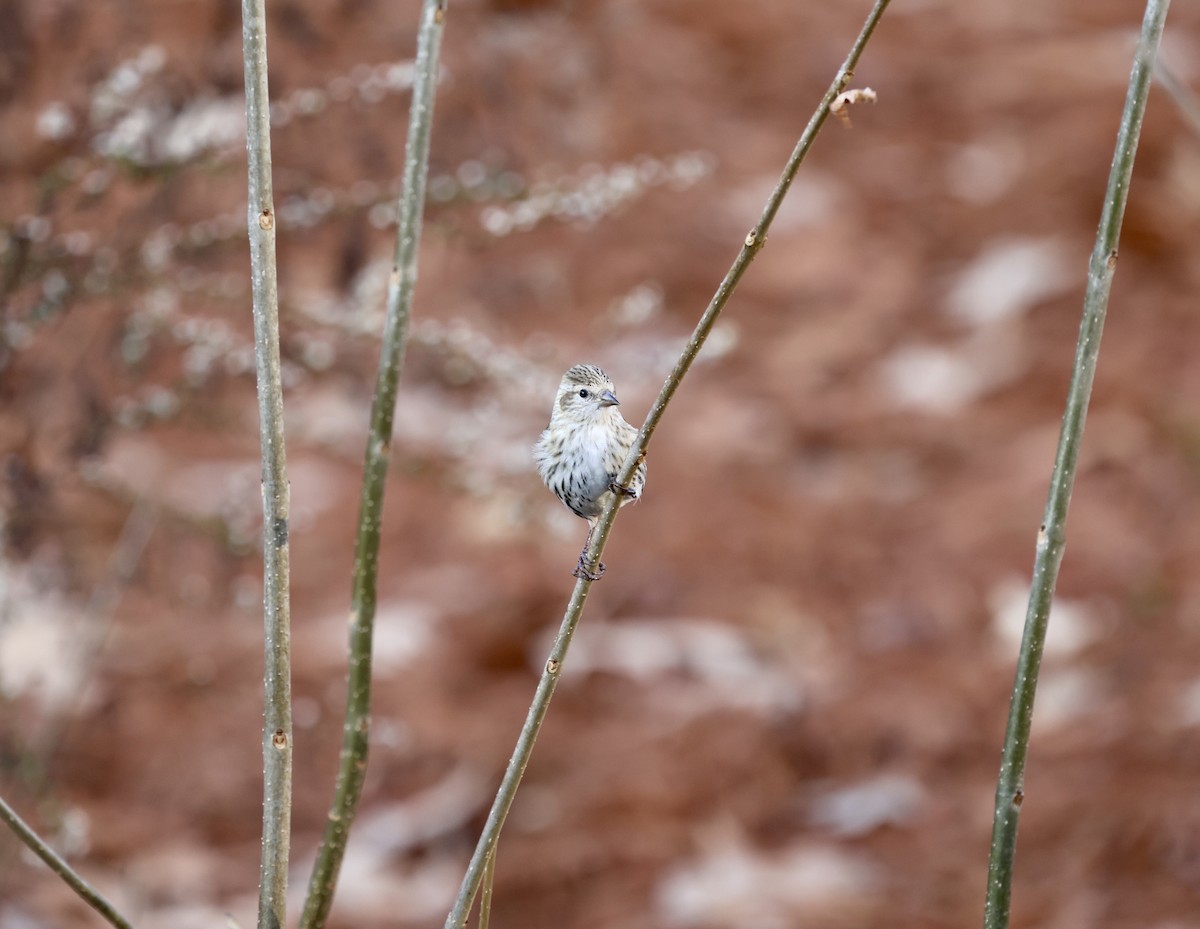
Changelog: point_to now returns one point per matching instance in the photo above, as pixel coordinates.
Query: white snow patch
(1064, 695)
(1189, 704)
(41, 651)
(890, 800)
(735, 886)
(1072, 624)
(403, 633)
(203, 125)
(935, 380)
(714, 655)
(1008, 278)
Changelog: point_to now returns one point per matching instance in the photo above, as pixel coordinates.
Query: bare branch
(352, 767)
(754, 241)
(90, 895)
(277, 675)
(1051, 537)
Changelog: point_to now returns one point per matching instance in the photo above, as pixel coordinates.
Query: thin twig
(485, 895)
(100, 612)
(277, 676)
(355, 739)
(89, 894)
(754, 241)
(126, 554)
(1178, 90)
(1051, 538)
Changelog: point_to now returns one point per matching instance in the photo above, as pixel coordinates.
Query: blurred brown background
(786, 702)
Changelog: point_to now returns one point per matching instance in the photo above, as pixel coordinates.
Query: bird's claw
(621, 489)
(581, 570)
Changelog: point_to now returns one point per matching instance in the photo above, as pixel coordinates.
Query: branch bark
(352, 767)
(753, 243)
(1051, 537)
(89, 894)
(277, 674)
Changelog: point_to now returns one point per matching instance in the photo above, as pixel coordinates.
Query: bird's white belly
(589, 453)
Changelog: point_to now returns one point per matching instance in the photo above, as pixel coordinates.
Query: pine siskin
(583, 448)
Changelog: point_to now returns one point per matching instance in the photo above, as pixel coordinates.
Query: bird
(580, 453)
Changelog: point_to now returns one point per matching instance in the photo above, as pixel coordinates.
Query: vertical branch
(89, 894)
(355, 737)
(753, 243)
(1051, 538)
(277, 677)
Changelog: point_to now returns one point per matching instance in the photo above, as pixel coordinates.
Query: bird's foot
(622, 490)
(582, 570)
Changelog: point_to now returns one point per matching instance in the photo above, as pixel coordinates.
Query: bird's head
(584, 393)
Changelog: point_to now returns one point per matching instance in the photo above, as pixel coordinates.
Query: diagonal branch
(90, 895)
(277, 674)
(754, 242)
(1051, 538)
(352, 766)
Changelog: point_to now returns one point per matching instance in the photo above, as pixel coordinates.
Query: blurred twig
(86, 891)
(1051, 539)
(353, 762)
(485, 895)
(1183, 96)
(101, 608)
(754, 241)
(277, 677)
(126, 554)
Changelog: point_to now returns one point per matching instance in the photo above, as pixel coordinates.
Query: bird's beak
(608, 398)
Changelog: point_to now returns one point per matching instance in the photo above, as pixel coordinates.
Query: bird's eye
(584, 393)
